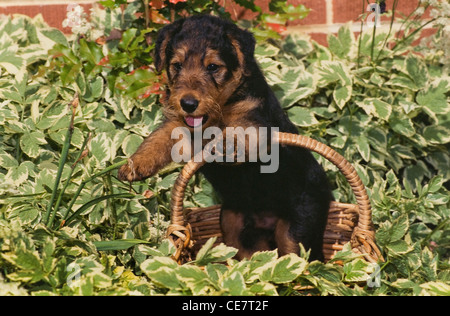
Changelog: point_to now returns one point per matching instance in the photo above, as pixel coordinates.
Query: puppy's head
(206, 60)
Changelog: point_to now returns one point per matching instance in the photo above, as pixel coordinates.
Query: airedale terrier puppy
(214, 81)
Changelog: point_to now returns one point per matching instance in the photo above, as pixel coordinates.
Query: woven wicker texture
(191, 228)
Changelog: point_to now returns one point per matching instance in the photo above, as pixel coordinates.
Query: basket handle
(363, 237)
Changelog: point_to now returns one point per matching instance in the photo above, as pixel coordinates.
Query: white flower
(434, 13)
(444, 21)
(420, 11)
(432, 2)
(445, 9)
(76, 19)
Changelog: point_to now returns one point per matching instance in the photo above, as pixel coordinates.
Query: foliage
(71, 110)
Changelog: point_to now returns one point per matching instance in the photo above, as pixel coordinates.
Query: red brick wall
(325, 16)
(328, 15)
(53, 14)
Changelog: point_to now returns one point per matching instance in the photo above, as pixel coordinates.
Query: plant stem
(62, 161)
(95, 201)
(72, 168)
(80, 188)
(394, 6)
(110, 191)
(407, 18)
(373, 38)
(360, 36)
(172, 12)
(398, 45)
(437, 228)
(147, 14)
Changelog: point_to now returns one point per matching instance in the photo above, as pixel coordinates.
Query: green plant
(68, 226)
(386, 108)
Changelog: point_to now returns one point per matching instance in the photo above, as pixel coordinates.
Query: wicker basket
(191, 228)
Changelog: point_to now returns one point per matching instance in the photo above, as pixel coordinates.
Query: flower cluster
(440, 11)
(76, 19)
(442, 14)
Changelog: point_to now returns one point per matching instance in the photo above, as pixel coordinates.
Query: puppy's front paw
(133, 171)
(126, 173)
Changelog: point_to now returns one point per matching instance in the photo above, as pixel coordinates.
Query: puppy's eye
(212, 67)
(177, 66)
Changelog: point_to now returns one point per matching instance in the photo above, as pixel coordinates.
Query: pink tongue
(194, 121)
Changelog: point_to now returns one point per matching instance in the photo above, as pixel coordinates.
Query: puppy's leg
(248, 233)
(153, 154)
(288, 235)
(232, 224)
(284, 240)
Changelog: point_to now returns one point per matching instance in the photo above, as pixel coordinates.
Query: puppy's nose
(189, 104)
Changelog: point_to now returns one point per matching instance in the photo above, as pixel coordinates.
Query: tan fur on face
(236, 113)
(239, 53)
(194, 80)
(162, 55)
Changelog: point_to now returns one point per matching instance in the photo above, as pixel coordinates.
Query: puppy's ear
(165, 35)
(244, 45)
